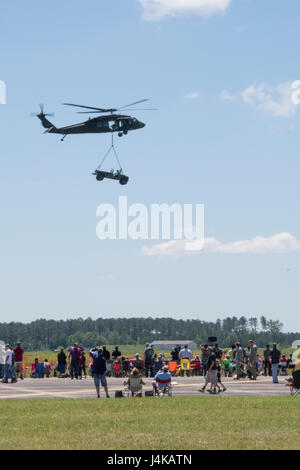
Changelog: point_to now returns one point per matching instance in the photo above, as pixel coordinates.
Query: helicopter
(111, 122)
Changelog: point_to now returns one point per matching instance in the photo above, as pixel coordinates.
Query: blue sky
(226, 135)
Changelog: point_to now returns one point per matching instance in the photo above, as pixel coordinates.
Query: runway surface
(186, 386)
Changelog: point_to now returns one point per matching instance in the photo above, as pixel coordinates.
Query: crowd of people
(212, 363)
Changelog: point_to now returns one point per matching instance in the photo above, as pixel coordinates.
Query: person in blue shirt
(162, 380)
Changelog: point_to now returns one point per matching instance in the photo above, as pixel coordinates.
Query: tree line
(50, 334)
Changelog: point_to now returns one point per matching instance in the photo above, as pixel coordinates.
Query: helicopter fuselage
(102, 124)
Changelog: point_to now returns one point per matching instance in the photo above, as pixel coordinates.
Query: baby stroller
(294, 383)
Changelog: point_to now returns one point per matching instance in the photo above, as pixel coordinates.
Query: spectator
(138, 363)
(185, 353)
(47, 368)
(196, 366)
(211, 375)
(252, 360)
(174, 353)
(99, 370)
(158, 363)
(275, 359)
(283, 364)
(227, 366)
(117, 367)
(219, 380)
(82, 365)
(62, 362)
(74, 354)
(267, 363)
(116, 353)
(126, 365)
(232, 353)
(2, 361)
(205, 356)
(135, 383)
(290, 362)
(148, 358)
(9, 371)
(37, 369)
(162, 379)
(106, 353)
(19, 352)
(218, 352)
(239, 360)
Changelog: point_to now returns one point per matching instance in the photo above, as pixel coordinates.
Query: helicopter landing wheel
(120, 134)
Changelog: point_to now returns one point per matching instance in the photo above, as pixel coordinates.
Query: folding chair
(163, 388)
(173, 367)
(295, 383)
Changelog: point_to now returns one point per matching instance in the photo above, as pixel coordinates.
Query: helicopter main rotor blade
(91, 112)
(101, 110)
(140, 109)
(131, 104)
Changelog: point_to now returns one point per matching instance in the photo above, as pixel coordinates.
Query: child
(219, 380)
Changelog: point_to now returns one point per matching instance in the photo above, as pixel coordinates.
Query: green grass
(151, 423)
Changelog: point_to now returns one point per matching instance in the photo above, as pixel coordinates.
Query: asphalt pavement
(184, 386)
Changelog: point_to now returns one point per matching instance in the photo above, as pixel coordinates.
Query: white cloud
(274, 101)
(192, 96)
(279, 243)
(156, 9)
(226, 96)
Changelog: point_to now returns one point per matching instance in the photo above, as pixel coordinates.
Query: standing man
(252, 359)
(185, 353)
(74, 354)
(148, 358)
(275, 358)
(19, 352)
(116, 353)
(106, 353)
(267, 363)
(239, 360)
(99, 370)
(9, 371)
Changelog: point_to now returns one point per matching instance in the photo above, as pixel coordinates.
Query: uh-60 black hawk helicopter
(111, 122)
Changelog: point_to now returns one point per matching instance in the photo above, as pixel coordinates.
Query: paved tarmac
(185, 386)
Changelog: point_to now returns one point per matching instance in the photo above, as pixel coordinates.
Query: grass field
(150, 423)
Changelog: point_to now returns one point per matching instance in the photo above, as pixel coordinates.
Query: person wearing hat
(162, 380)
(19, 352)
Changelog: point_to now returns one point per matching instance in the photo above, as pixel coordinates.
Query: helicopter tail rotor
(42, 116)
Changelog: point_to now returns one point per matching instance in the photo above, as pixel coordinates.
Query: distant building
(170, 344)
(296, 344)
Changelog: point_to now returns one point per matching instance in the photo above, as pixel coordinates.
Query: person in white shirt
(9, 371)
(185, 353)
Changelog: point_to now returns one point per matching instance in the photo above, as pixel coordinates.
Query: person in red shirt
(19, 352)
(196, 366)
